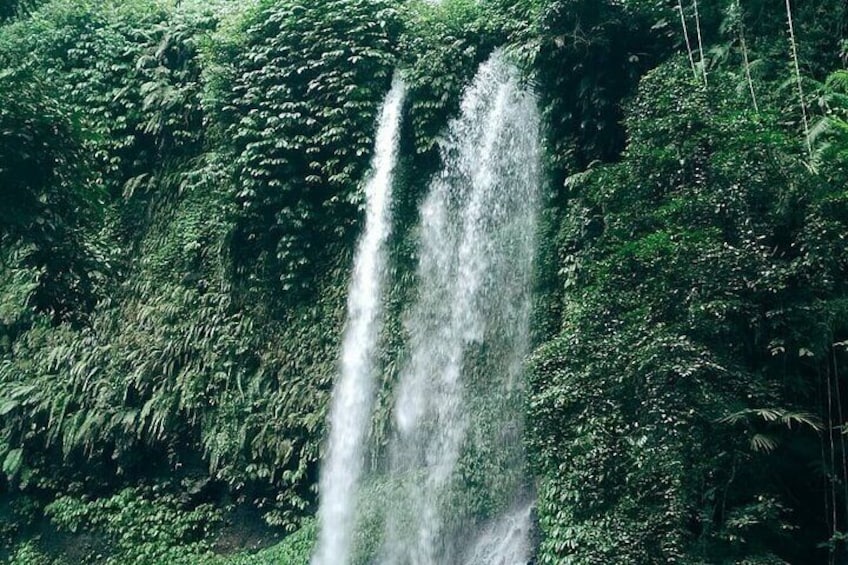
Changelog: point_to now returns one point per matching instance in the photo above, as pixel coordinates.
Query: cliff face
(181, 193)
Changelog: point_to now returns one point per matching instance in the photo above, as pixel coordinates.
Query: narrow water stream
(353, 395)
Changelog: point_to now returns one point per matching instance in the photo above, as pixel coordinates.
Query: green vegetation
(180, 192)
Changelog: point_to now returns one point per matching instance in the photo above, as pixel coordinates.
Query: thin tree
(794, 46)
(745, 59)
(833, 476)
(700, 41)
(826, 483)
(841, 416)
(686, 36)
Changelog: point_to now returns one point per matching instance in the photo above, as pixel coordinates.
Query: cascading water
(457, 453)
(506, 541)
(353, 394)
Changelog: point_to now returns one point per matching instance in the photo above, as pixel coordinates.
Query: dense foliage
(699, 361)
(180, 191)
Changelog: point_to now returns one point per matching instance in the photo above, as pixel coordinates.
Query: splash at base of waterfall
(508, 541)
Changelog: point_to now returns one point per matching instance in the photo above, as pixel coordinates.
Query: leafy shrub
(304, 87)
(691, 297)
(296, 549)
(138, 529)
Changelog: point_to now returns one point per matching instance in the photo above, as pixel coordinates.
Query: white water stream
(353, 395)
(459, 395)
(456, 491)
(505, 542)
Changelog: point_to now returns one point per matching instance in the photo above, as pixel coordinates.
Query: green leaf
(7, 405)
(13, 461)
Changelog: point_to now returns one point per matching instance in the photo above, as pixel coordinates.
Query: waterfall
(457, 450)
(506, 541)
(352, 400)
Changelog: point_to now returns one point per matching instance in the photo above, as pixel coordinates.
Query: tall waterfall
(457, 454)
(352, 401)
